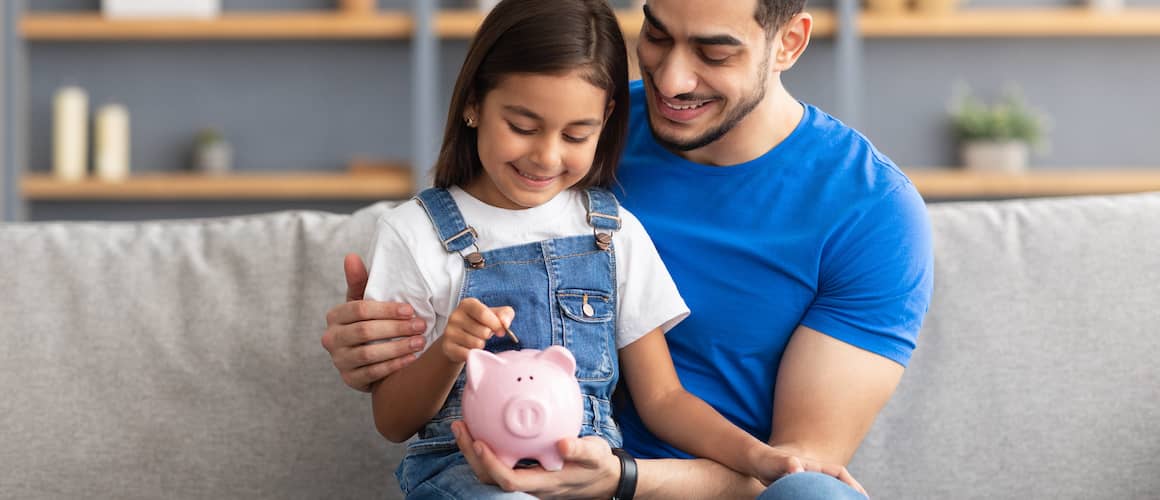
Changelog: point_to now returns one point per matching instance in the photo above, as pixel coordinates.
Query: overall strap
(448, 221)
(603, 215)
(602, 209)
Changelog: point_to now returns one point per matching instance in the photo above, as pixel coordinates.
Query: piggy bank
(521, 403)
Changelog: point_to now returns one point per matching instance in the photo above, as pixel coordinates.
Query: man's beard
(735, 116)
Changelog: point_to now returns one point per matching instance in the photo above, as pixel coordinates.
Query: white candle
(111, 143)
(70, 133)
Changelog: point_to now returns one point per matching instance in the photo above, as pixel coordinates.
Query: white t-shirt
(409, 263)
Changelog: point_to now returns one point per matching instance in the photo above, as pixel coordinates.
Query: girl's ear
(471, 112)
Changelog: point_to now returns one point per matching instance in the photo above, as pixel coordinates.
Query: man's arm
(828, 395)
(354, 323)
(592, 471)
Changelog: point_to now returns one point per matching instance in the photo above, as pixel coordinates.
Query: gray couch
(181, 359)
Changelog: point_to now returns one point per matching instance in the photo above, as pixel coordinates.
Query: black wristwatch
(626, 488)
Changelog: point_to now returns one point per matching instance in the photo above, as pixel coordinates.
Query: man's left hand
(590, 469)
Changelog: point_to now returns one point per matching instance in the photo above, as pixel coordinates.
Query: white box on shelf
(136, 9)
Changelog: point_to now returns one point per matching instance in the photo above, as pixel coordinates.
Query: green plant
(1008, 119)
(207, 136)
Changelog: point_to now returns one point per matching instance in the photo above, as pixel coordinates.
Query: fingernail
(406, 310)
(478, 448)
(455, 431)
(417, 326)
(417, 343)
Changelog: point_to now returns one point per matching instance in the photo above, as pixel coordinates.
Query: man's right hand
(351, 325)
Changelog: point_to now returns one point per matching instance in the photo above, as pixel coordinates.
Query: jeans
(809, 486)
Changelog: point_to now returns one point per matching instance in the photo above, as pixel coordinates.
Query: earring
(470, 121)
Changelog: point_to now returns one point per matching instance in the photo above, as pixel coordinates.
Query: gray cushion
(1036, 374)
(181, 360)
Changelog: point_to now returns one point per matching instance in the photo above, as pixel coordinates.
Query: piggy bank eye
(519, 379)
(530, 377)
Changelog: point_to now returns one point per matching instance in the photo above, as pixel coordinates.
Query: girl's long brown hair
(545, 37)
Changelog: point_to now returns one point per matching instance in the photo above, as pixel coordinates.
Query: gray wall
(310, 105)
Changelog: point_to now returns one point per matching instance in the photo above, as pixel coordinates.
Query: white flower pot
(215, 158)
(128, 9)
(996, 156)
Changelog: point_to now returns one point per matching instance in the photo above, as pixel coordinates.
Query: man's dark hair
(772, 14)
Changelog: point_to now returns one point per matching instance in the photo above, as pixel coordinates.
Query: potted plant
(996, 137)
(212, 154)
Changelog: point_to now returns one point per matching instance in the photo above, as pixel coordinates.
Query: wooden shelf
(464, 23)
(231, 26)
(936, 183)
(256, 186)
(1014, 22)
(452, 24)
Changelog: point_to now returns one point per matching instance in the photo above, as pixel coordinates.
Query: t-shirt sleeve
(876, 278)
(647, 296)
(395, 276)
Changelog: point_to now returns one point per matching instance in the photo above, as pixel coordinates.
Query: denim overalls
(564, 293)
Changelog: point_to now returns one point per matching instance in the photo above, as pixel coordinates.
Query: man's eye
(714, 58)
(654, 37)
(520, 130)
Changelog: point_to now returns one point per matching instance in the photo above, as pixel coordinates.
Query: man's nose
(676, 75)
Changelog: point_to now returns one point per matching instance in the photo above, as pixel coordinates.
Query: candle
(111, 143)
(69, 133)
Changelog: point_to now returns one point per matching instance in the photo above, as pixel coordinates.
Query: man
(803, 253)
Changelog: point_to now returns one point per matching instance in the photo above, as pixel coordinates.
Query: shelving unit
(230, 26)
(448, 24)
(932, 183)
(1014, 22)
(422, 26)
(949, 183)
(255, 186)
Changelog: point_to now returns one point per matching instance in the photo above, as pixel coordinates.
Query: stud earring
(470, 121)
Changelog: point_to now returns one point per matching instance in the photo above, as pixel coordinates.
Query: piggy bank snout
(526, 417)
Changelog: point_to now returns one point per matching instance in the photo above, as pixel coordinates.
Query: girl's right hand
(470, 325)
(772, 463)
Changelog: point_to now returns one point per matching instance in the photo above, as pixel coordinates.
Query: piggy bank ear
(559, 356)
(479, 362)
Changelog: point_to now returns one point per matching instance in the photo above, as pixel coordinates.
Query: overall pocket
(589, 332)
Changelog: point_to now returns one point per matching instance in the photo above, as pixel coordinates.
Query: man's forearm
(663, 479)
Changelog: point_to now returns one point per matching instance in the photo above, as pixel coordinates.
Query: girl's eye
(576, 140)
(520, 130)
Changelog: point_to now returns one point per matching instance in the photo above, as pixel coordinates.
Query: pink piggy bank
(522, 402)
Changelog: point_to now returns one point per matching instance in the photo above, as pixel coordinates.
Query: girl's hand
(470, 325)
(770, 464)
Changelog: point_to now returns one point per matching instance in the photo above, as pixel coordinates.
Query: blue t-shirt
(822, 231)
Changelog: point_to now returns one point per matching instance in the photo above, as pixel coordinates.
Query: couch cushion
(181, 359)
(1037, 372)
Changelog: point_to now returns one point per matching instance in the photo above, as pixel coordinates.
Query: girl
(520, 218)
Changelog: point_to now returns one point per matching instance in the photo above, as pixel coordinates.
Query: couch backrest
(1037, 373)
(181, 360)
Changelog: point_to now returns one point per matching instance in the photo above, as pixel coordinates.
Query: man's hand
(351, 325)
(590, 469)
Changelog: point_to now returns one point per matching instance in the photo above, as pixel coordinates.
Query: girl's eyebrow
(520, 110)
